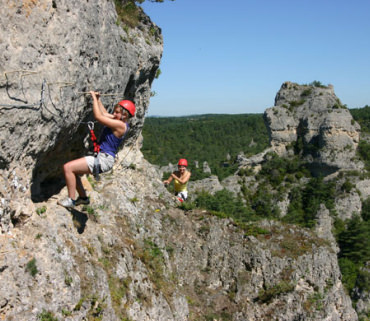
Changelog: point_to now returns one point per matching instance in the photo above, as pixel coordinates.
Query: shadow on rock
(79, 220)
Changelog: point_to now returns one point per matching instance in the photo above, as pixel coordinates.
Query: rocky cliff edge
(312, 119)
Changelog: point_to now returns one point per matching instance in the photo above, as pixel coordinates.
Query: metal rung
(28, 72)
(87, 93)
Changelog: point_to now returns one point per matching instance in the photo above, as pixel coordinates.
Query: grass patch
(266, 296)
(46, 316)
(315, 302)
(128, 13)
(31, 267)
(296, 103)
(118, 290)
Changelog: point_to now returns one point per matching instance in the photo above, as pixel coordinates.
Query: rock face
(312, 119)
(210, 184)
(51, 53)
(131, 255)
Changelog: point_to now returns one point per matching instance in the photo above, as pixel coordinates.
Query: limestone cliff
(132, 255)
(312, 118)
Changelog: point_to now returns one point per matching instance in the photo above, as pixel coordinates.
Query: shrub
(364, 152)
(128, 12)
(363, 280)
(276, 169)
(305, 201)
(118, 289)
(296, 103)
(158, 73)
(267, 295)
(46, 316)
(263, 203)
(223, 201)
(41, 210)
(365, 213)
(347, 186)
(349, 273)
(31, 267)
(187, 206)
(306, 92)
(318, 84)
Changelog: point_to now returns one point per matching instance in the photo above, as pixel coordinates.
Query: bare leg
(80, 188)
(72, 170)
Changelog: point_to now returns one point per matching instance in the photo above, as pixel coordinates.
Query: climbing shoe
(67, 203)
(82, 200)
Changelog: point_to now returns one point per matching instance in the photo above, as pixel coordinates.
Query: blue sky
(232, 56)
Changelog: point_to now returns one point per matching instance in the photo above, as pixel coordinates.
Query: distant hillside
(202, 138)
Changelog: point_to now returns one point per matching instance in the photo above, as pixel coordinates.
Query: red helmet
(182, 162)
(129, 106)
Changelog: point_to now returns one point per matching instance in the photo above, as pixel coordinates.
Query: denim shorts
(106, 162)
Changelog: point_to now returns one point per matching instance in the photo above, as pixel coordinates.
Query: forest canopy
(216, 139)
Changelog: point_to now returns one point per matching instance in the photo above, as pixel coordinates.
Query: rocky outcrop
(131, 255)
(210, 185)
(312, 120)
(206, 168)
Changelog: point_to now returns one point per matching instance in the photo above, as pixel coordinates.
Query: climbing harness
(96, 170)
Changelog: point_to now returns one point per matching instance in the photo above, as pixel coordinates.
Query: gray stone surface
(135, 256)
(315, 118)
(206, 168)
(210, 184)
(348, 205)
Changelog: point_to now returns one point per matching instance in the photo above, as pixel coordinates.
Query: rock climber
(115, 128)
(181, 178)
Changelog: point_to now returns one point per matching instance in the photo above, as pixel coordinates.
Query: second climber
(181, 178)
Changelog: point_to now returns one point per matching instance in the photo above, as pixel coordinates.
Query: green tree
(364, 151)
(362, 116)
(354, 241)
(365, 213)
(305, 201)
(262, 202)
(224, 202)
(353, 238)
(349, 272)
